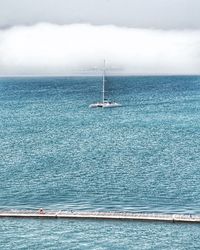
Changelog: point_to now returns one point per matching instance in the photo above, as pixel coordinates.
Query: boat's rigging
(105, 103)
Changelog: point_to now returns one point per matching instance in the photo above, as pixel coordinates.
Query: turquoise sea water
(56, 153)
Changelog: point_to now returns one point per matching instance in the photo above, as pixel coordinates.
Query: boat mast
(104, 66)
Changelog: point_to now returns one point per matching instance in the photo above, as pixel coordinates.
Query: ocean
(57, 153)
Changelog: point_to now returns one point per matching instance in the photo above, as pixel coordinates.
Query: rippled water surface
(57, 153)
(88, 235)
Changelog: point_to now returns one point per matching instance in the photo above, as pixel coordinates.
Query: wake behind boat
(105, 103)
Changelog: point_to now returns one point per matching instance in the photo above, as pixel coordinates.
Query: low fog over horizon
(73, 37)
(49, 49)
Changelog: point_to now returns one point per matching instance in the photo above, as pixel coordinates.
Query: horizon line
(99, 75)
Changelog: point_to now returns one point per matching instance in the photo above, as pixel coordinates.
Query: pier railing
(100, 215)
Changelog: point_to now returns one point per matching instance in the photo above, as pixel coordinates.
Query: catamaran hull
(105, 102)
(105, 105)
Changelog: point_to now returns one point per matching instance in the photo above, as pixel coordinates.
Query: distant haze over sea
(79, 49)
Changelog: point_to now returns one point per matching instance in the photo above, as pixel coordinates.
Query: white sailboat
(105, 103)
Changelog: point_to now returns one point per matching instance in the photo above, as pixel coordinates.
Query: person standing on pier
(41, 211)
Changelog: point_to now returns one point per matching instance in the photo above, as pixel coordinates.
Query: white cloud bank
(49, 49)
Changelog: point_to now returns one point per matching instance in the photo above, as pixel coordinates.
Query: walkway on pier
(101, 215)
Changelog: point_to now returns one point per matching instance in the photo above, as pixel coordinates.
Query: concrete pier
(101, 215)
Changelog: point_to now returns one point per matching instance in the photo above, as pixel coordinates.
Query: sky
(64, 37)
(160, 14)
